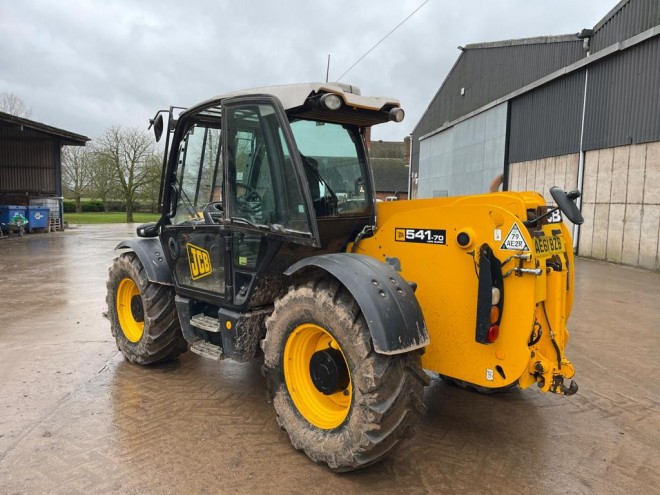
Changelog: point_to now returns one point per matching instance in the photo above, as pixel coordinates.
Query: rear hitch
(558, 386)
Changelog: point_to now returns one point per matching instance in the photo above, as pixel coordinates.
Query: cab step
(207, 350)
(207, 323)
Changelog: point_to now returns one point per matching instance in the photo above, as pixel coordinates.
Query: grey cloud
(86, 66)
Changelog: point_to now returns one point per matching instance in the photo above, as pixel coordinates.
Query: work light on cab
(397, 114)
(331, 101)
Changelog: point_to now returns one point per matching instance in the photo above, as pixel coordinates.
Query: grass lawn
(111, 217)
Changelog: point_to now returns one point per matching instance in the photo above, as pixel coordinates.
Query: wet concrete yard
(76, 418)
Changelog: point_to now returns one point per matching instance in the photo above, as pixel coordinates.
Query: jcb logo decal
(199, 261)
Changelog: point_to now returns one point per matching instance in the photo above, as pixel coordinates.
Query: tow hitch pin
(522, 271)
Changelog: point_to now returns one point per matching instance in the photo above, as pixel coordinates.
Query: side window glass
(264, 188)
(199, 174)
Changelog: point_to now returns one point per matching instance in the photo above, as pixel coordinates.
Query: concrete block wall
(540, 175)
(621, 205)
(620, 199)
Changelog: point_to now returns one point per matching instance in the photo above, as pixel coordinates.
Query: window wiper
(187, 202)
(317, 176)
(246, 222)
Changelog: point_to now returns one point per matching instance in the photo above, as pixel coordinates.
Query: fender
(388, 302)
(150, 252)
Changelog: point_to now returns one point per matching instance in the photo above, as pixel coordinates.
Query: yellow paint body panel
(447, 282)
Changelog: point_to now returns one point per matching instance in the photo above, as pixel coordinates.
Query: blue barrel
(7, 212)
(37, 217)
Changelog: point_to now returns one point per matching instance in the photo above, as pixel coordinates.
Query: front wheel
(339, 401)
(142, 314)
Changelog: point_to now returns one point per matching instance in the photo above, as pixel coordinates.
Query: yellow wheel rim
(321, 410)
(129, 310)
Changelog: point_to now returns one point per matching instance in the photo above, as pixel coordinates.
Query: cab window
(333, 166)
(264, 187)
(199, 173)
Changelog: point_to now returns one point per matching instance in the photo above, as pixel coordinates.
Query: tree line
(122, 164)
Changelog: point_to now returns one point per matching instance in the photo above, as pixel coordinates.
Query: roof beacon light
(397, 114)
(331, 101)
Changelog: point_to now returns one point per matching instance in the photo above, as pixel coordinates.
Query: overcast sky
(85, 66)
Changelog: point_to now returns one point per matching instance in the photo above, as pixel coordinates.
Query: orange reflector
(493, 333)
(494, 314)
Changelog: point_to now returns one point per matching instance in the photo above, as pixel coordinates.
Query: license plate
(548, 245)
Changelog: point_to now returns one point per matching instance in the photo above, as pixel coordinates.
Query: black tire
(161, 338)
(387, 391)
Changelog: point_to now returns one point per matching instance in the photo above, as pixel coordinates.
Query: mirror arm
(531, 223)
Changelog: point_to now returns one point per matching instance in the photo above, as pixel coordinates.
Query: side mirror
(158, 127)
(565, 202)
(148, 230)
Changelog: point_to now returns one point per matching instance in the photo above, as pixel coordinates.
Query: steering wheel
(213, 212)
(251, 201)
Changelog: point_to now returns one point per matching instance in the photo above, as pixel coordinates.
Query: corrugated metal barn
(576, 111)
(30, 162)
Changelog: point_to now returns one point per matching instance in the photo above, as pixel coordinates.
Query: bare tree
(14, 105)
(126, 151)
(104, 184)
(150, 190)
(77, 171)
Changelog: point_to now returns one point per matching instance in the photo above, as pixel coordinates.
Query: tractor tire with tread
(159, 339)
(386, 390)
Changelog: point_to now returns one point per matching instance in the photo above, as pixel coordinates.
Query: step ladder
(54, 224)
(207, 350)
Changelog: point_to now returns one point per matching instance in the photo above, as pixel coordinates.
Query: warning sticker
(514, 240)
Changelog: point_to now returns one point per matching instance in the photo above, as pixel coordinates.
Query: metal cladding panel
(623, 98)
(27, 161)
(465, 158)
(547, 121)
(631, 18)
(487, 74)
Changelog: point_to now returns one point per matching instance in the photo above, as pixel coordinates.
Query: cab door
(266, 188)
(237, 191)
(268, 201)
(195, 241)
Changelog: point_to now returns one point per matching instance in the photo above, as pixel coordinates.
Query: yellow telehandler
(271, 242)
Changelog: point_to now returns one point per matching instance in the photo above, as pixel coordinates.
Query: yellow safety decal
(199, 261)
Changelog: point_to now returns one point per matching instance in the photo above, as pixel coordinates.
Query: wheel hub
(328, 371)
(137, 310)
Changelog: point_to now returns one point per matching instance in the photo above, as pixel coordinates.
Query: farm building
(577, 111)
(30, 163)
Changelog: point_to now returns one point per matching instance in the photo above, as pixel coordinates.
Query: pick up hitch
(558, 386)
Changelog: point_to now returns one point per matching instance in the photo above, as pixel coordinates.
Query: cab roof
(295, 95)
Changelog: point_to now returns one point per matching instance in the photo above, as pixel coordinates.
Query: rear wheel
(339, 401)
(142, 314)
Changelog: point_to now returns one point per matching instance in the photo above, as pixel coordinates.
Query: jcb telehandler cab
(271, 241)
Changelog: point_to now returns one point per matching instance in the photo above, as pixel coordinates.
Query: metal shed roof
(67, 137)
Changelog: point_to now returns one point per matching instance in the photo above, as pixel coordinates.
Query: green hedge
(88, 205)
(94, 205)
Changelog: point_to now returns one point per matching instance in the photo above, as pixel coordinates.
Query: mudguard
(388, 302)
(150, 252)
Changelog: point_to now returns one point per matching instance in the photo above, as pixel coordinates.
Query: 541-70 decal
(423, 236)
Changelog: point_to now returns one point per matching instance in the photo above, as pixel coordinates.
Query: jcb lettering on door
(199, 261)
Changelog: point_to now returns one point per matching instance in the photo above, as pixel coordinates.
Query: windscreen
(333, 165)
